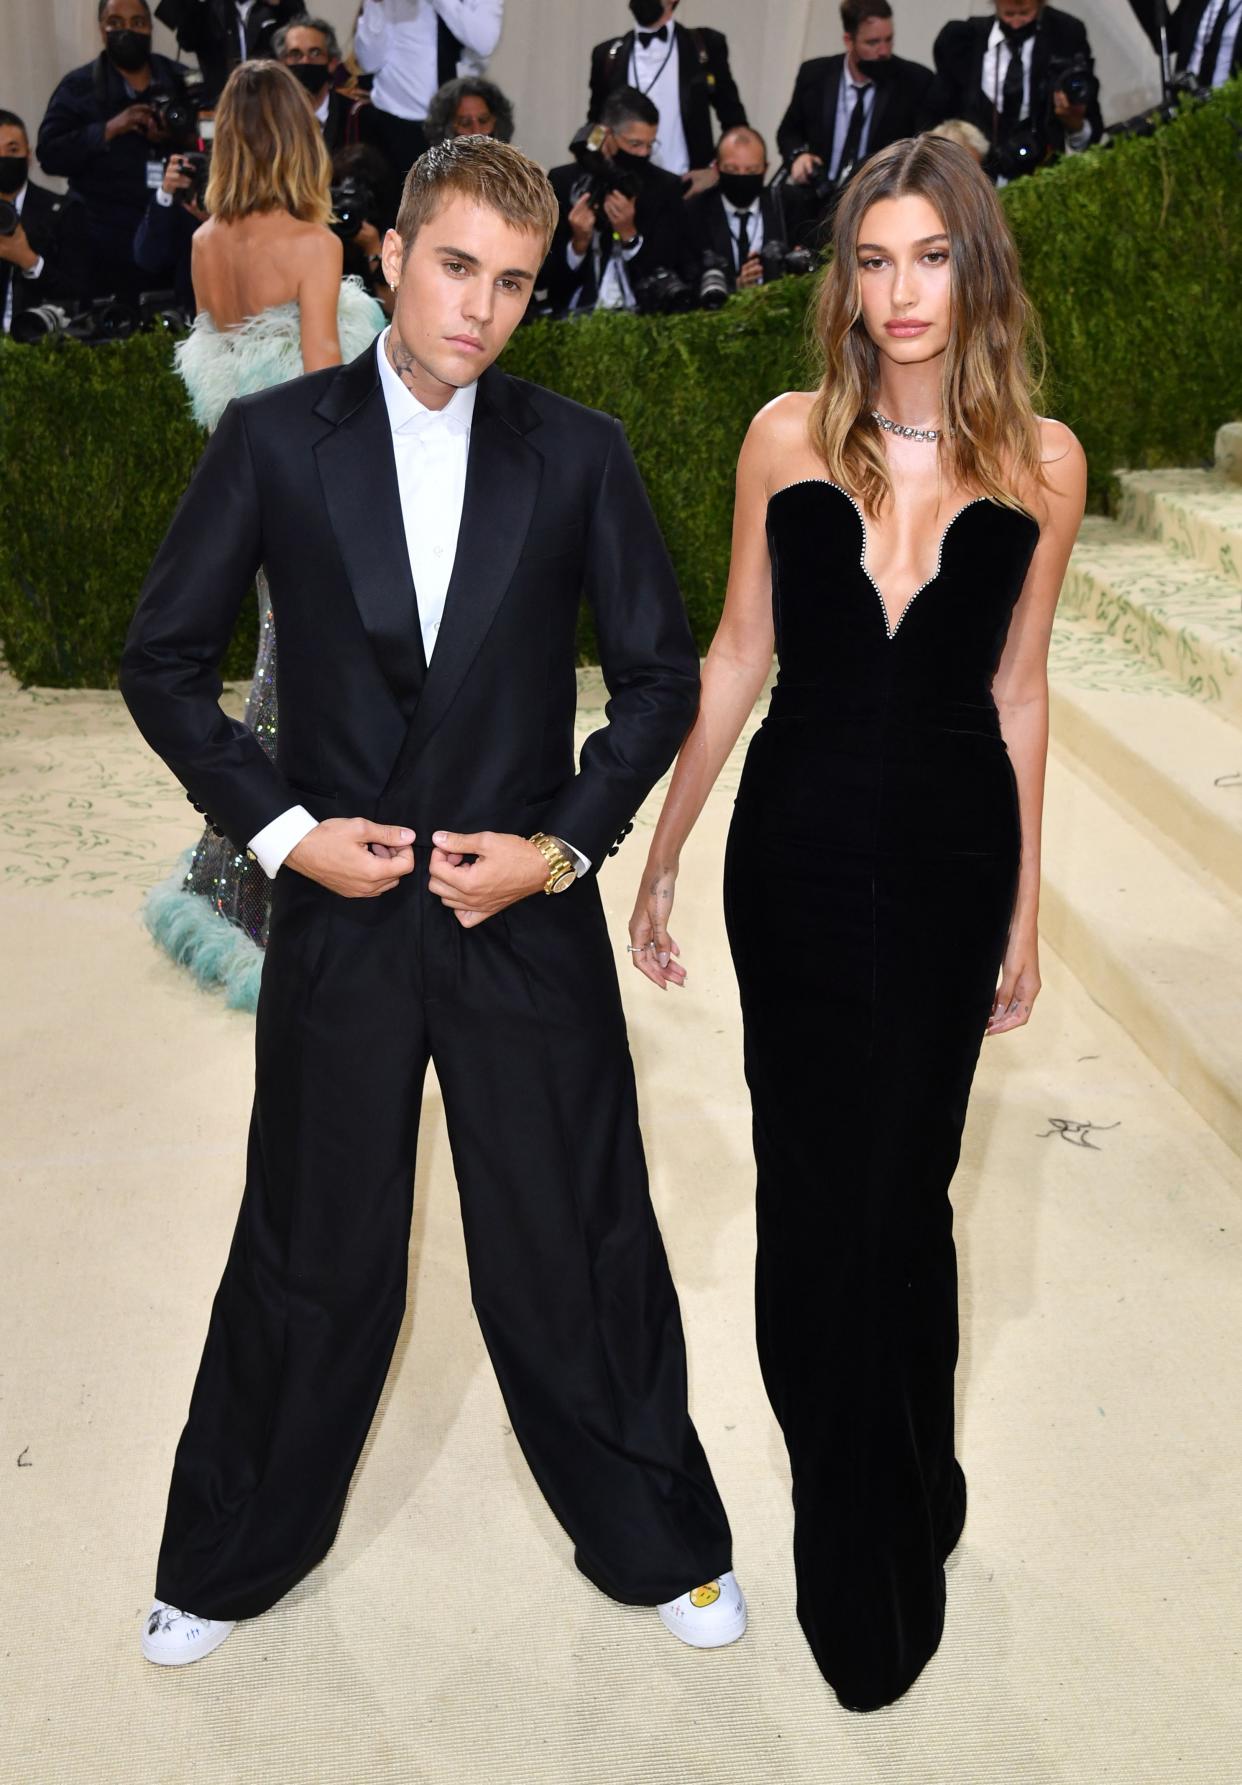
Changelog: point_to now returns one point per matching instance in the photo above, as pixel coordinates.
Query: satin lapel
(502, 484)
(358, 475)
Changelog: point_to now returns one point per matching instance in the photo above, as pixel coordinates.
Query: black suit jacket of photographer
(810, 117)
(708, 231)
(55, 226)
(208, 29)
(1184, 29)
(957, 91)
(109, 178)
(705, 78)
(659, 213)
(302, 478)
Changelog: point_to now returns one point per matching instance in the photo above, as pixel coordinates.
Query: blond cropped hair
(991, 368)
(268, 152)
(487, 172)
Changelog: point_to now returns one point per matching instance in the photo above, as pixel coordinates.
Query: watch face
(564, 881)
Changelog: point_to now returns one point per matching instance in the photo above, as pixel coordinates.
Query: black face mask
(646, 12)
(627, 163)
(13, 171)
(879, 69)
(741, 189)
(1016, 34)
(313, 75)
(130, 50)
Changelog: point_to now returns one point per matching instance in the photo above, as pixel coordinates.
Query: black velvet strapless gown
(869, 884)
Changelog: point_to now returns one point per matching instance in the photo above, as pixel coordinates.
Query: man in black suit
(43, 255)
(309, 50)
(1206, 37)
(423, 801)
(1005, 75)
(844, 108)
(104, 132)
(605, 246)
(222, 33)
(738, 216)
(685, 73)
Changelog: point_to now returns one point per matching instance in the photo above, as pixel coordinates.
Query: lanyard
(672, 45)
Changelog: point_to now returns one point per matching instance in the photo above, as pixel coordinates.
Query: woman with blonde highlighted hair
(900, 535)
(271, 305)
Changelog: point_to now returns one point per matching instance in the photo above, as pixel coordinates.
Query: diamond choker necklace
(895, 427)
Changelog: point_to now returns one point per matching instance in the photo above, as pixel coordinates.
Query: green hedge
(1133, 256)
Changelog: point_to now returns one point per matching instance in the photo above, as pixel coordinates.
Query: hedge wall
(1133, 256)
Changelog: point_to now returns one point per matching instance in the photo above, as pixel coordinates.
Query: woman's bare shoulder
(783, 421)
(1057, 442)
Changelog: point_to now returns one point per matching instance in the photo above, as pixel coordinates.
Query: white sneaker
(171, 1638)
(707, 1617)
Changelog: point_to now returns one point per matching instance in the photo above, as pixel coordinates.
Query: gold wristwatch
(561, 871)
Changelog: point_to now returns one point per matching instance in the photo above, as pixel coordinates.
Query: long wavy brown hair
(267, 153)
(993, 364)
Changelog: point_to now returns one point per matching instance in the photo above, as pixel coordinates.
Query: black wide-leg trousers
(522, 1018)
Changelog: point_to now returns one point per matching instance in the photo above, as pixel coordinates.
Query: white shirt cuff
(163, 198)
(633, 249)
(275, 840)
(581, 864)
(573, 257)
(34, 271)
(1080, 141)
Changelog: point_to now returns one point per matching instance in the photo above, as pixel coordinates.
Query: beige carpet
(1094, 1608)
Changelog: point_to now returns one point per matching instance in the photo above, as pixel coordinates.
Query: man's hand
(752, 271)
(135, 117)
(17, 251)
(620, 212)
(582, 225)
(699, 179)
(1072, 116)
(337, 853)
(506, 869)
(805, 169)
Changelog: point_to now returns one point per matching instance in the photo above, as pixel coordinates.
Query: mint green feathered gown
(211, 914)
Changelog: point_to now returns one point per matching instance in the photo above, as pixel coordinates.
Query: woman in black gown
(901, 535)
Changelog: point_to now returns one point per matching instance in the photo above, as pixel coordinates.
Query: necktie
(743, 238)
(853, 134)
(1212, 48)
(1014, 90)
(647, 38)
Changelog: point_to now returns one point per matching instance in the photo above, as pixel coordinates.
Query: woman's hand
(1020, 982)
(652, 949)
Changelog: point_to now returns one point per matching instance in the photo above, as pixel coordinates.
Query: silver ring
(640, 950)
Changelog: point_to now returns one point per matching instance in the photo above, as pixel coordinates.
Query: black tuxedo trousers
(521, 1015)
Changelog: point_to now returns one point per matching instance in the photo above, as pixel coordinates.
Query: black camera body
(778, 259)
(178, 117)
(602, 177)
(664, 293)
(1071, 75)
(9, 219)
(353, 204)
(197, 163)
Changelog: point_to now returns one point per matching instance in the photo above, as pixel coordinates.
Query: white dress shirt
(396, 41)
(1207, 24)
(995, 68)
(754, 225)
(431, 448)
(613, 290)
(847, 98)
(656, 71)
(244, 9)
(15, 272)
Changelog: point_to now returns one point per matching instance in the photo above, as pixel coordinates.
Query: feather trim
(214, 950)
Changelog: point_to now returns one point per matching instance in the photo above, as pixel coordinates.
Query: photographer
(728, 226)
(222, 33)
(359, 173)
(42, 242)
(470, 106)
(1206, 36)
(108, 129)
(163, 241)
(309, 50)
(1026, 78)
(622, 218)
(412, 47)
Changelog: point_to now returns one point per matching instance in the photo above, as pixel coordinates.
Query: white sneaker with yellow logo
(707, 1617)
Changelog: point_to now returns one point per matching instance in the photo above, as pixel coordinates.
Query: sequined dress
(211, 914)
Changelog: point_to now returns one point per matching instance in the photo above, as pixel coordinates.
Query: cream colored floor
(1094, 1610)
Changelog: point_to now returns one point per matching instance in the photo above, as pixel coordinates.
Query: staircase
(1143, 833)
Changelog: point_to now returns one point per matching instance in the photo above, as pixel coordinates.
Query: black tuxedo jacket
(1183, 30)
(55, 226)
(302, 479)
(705, 78)
(708, 230)
(959, 53)
(337, 130)
(659, 214)
(208, 29)
(810, 118)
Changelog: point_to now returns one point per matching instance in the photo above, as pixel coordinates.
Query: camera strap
(633, 69)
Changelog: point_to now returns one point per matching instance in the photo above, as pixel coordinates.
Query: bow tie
(647, 38)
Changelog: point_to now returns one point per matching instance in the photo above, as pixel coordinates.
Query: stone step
(1166, 610)
(1152, 944)
(1167, 761)
(1195, 515)
(1229, 451)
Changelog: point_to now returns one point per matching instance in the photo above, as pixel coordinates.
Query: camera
(1022, 153)
(777, 259)
(353, 204)
(1071, 75)
(9, 218)
(39, 323)
(178, 117)
(662, 293)
(197, 163)
(602, 177)
(714, 282)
